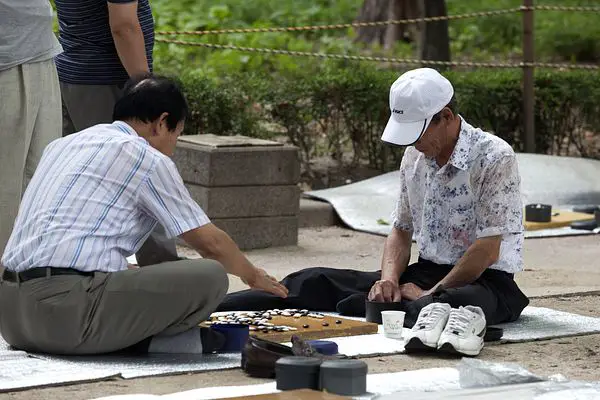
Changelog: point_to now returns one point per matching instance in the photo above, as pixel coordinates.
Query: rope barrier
(382, 59)
(383, 23)
(344, 26)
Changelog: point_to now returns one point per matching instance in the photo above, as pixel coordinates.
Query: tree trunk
(382, 10)
(432, 39)
(435, 43)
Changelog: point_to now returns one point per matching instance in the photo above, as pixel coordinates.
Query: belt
(40, 272)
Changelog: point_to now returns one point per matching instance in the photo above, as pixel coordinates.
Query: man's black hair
(451, 105)
(146, 97)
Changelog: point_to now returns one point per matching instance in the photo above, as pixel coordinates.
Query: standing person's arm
(128, 36)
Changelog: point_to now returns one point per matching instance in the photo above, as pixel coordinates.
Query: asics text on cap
(415, 97)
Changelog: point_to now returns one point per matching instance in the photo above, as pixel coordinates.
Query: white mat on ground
(367, 205)
(433, 379)
(469, 377)
(19, 370)
(128, 367)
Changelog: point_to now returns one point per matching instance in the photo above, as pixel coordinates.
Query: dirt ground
(554, 268)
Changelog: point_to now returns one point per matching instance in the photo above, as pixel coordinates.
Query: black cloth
(345, 291)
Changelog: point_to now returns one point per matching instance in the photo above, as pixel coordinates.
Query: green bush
(219, 107)
(342, 110)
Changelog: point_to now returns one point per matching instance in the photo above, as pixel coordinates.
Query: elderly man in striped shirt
(94, 199)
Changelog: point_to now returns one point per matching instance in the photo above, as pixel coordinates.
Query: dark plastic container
(373, 310)
(236, 336)
(538, 213)
(344, 377)
(297, 372)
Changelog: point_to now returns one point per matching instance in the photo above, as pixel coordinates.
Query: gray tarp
(560, 181)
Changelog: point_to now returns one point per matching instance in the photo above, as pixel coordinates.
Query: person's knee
(216, 279)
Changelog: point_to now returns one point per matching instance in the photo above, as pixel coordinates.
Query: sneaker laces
(459, 321)
(430, 317)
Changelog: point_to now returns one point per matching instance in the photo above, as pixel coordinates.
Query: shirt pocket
(461, 222)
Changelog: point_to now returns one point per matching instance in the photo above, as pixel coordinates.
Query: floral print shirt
(475, 195)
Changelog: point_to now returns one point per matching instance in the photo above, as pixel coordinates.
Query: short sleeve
(401, 216)
(165, 198)
(499, 208)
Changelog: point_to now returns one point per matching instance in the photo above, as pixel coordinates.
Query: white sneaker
(426, 332)
(464, 332)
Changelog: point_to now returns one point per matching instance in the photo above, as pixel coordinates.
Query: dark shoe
(259, 357)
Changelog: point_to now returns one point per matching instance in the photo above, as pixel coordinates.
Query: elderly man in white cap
(460, 199)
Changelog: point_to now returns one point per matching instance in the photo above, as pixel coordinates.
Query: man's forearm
(396, 255)
(215, 244)
(229, 255)
(477, 258)
(130, 45)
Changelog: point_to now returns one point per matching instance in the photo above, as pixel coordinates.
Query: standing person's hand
(385, 291)
(261, 280)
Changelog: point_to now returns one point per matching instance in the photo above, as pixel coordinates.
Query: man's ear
(447, 114)
(162, 121)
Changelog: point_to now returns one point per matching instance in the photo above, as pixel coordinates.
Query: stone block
(261, 232)
(313, 213)
(247, 201)
(210, 160)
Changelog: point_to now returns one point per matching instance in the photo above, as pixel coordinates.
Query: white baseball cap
(415, 97)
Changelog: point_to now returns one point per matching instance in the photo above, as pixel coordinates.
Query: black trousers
(345, 291)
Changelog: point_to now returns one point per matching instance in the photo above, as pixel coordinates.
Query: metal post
(528, 77)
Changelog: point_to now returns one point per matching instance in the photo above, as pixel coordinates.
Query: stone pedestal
(248, 187)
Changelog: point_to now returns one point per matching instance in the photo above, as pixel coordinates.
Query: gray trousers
(29, 121)
(106, 312)
(89, 105)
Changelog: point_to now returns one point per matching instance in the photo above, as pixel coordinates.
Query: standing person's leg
(74, 314)
(48, 124)
(89, 105)
(28, 122)
(157, 249)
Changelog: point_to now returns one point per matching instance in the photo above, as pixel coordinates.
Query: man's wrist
(392, 280)
(250, 275)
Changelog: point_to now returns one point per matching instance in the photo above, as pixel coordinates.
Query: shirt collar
(462, 149)
(125, 128)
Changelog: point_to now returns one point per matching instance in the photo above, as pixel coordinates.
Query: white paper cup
(393, 322)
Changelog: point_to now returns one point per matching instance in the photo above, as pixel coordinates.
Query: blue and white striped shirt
(94, 199)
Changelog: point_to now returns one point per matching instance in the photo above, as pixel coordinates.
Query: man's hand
(385, 291)
(261, 280)
(412, 292)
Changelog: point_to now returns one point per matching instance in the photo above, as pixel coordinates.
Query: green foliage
(567, 108)
(222, 108)
(559, 36)
(344, 108)
(231, 14)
